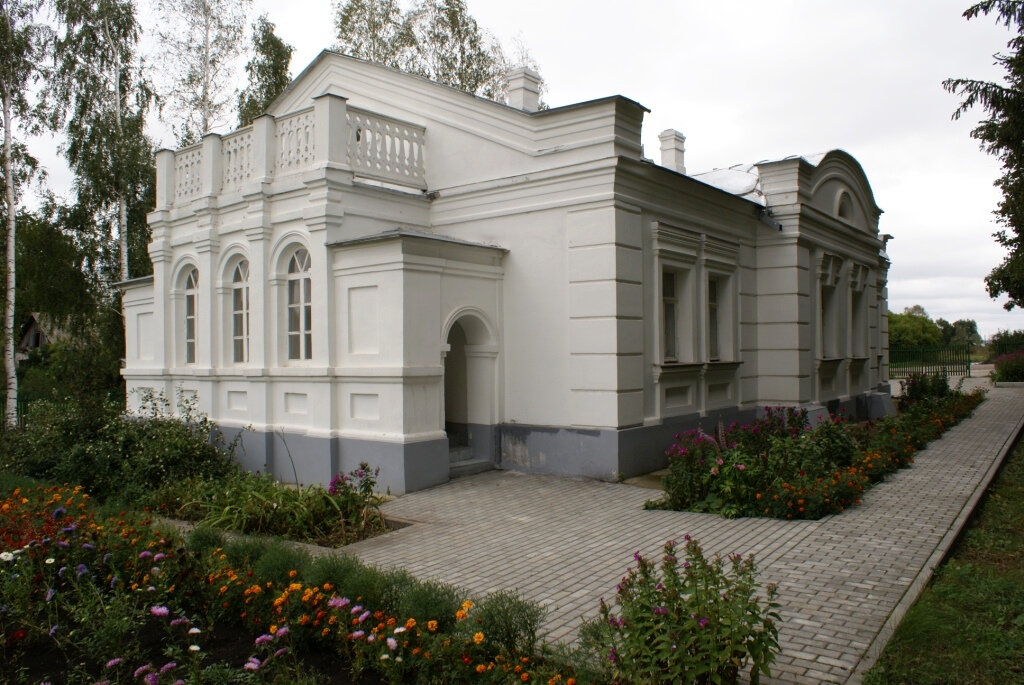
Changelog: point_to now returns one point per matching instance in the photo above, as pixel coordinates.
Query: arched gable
(839, 187)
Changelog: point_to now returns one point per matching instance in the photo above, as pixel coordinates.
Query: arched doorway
(469, 390)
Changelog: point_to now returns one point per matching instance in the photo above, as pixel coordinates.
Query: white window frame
(240, 310)
(676, 313)
(298, 307)
(191, 315)
(719, 303)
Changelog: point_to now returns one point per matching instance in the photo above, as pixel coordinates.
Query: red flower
(19, 634)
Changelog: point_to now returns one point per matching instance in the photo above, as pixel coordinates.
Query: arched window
(300, 332)
(191, 302)
(240, 313)
(844, 206)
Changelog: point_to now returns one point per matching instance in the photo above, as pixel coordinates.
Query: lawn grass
(968, 625)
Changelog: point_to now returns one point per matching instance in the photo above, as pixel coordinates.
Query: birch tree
(268, 71)
(23, 42)
(438, 39)
(100, 98)
(201, 41)
(375, 30)
(451, 48)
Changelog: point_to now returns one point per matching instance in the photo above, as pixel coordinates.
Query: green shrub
(510, 622)
(1009, 367)
(690, 621)
(202, 539)
(279, 562)
(429, 600)
(256, 503)
(922, 386)
(114, 454)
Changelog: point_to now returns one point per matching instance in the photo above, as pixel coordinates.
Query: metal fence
(954, 360)
(23, 406)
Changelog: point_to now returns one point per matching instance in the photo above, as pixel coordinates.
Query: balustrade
(376, 147)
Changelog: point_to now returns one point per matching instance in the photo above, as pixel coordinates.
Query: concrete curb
(942, 551)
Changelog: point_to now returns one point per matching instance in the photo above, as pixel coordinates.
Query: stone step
(456, 454)
(469, 467)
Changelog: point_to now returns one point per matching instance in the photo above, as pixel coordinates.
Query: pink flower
(282, 631)
(392, 643)
(114, 662)
(741, 467)
(365, 615)
(264, 639)
(159, 611)
(358, 634)
(253, 664)
(338, 602)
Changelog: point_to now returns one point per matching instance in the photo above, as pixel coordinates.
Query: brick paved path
(844, 581)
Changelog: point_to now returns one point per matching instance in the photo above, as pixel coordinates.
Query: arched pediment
(838, 187)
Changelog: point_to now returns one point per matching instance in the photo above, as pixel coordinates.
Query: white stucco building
(385, 269)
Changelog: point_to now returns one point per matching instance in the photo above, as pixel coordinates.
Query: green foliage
(258, 504)
(438, 39)
(267, 71)
(200, 41)
(375, 30)
(114, 454)
(922, 386)
(913, 330)
(510, 622)
(692, 621)
(1000, 135)
(1009, 367)
(1005, 341)
(780, 467)
(99, 96)
(426, 600)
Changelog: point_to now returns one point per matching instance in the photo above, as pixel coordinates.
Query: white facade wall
(486, 275)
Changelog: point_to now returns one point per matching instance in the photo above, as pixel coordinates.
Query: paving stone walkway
(844, 581)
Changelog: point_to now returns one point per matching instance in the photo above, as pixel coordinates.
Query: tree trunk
(9, 369)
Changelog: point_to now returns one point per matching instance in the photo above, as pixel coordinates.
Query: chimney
(673, 145)
(524, 89)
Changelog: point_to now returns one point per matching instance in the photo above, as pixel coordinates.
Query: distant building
(36, 331)
(386, 269)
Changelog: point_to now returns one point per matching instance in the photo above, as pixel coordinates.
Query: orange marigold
(431, 626)
(410, 624)
(480, 668)
(478, 638)
(460, 614)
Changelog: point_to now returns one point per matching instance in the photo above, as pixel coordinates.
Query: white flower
(194, 631)
(50, 560)
(193, 648)
(6, 556)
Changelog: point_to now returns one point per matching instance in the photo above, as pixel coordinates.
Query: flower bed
(86, 598)
(780, 467)
(347, 511)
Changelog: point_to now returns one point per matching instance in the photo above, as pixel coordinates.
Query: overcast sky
(749, 80)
